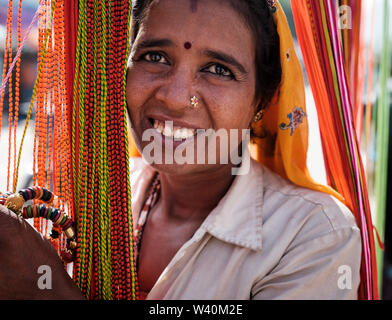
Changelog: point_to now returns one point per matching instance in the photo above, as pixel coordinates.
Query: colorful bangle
(15, 202)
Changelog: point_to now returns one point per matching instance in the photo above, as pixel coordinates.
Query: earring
(258, 116)
(194, 102)
(272, 5)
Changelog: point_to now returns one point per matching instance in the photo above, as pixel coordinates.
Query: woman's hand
(22, 253)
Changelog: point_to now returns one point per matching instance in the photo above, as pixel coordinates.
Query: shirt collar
(237, 218)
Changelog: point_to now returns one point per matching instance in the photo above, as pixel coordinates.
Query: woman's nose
(177, 88)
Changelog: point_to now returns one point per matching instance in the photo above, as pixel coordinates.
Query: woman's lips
(167, 129)
(169, 132)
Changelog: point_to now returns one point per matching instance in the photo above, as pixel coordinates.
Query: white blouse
(266, 239)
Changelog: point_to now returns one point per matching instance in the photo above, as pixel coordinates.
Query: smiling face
(182, 50)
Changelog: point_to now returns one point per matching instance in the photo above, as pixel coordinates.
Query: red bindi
(187, 45)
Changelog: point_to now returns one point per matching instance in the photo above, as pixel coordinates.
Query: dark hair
(258, 17)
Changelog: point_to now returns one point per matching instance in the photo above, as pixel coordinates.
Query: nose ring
(194, 102)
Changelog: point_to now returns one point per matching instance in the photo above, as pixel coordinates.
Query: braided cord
(104, 267)
(34, 94)
(81, 45)
(103, 171)
(131, 245)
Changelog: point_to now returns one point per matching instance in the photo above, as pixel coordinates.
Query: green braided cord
(109, 216)
(103, 171)
(74, 104)
(94, 147)
(82, 90)
(382, 125)
(34, 93)
(89, 185)
(73, 126)
(94, 151)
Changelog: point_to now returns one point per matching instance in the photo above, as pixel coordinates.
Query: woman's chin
(183, 169)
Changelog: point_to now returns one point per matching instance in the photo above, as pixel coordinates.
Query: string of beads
(17, 203)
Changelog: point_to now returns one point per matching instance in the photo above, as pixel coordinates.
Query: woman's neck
(185, 197)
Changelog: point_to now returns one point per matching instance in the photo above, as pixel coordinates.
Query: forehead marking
(193, 5)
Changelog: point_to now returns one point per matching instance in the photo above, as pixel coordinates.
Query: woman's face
(164, 73)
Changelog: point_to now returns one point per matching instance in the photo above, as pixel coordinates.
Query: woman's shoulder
(307, 237)
(307, 214)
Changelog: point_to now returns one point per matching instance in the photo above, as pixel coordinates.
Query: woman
(209, 234)
(197, 68)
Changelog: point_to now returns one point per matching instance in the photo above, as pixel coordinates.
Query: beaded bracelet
(15, 202)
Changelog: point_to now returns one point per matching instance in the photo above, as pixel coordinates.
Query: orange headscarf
(284, 124)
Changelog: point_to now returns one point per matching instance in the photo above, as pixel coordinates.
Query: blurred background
(315, 158)
(28, 73)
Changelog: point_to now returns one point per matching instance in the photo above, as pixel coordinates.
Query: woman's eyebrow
(225, 58)
(150, 43)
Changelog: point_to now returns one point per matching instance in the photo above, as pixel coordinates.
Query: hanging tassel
(318, 34)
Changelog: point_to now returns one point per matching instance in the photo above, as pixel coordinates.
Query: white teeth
(158, 126)
(183, 133)
(173, 132)
(168, 132)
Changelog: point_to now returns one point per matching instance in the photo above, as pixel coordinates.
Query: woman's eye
(219, 70)
(155, 57)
